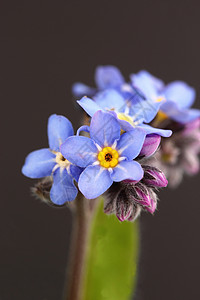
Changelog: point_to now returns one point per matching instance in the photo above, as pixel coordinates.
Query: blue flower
(130, 112)
(49, 161)
(109, 77)
(105, 77)
(176, 98)
(107, 155)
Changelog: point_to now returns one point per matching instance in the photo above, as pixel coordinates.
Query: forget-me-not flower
(50, 161)
(107, 156)
(136, 105)
(106, 77)
(131, 112)
(176, 97)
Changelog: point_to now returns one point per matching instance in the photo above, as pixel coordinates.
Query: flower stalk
(82, 218)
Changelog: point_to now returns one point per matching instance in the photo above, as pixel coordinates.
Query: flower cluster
(112, 155)
(178, 155)
(127, 198)
(154, 106)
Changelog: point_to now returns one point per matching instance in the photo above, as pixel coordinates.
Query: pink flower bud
(150, 145)
(124, 207)
(143, 197)
(155, 177)
(135, 213)
(124, 214)
(191, 126)
(153, 205)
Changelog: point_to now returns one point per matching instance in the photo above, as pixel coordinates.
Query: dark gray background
(45, 47)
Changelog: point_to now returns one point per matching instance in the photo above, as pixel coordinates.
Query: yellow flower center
(108, 157)
(160, 99)
(160, 117)
(125, 117)
(61, 161)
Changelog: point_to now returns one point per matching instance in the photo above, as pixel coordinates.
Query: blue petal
(79, 90)
(180, 93)
(63, 188)
(85, 128)
(131, 142)
(144, 109)
(79, 150)
(110, 99)
(149, 130)
(94, 181)
(180, 115)
(125, 125)
(104, 128)
(127, 170)
(126, 90)
(186, 116)
(39, 164)
(148, 84)
(157, 83)
(108, 76)
(59, 129)
(75, 172)
(89, 106)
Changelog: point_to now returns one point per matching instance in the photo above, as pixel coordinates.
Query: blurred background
(45, 47)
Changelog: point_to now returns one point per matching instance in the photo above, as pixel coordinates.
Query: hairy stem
(79, 242)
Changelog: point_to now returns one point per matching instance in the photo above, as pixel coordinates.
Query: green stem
(79, 242)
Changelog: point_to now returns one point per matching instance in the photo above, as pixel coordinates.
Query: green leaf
(112, 258)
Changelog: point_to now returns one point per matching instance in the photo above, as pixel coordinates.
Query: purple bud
(110, 199)
(143, 196)
(130, 181)
(123, 214)
(150, 145)
(153, 205)
(109, 208)
(191, 163)
(135, 213)
(155, 178)
(109, 205)
(126, 199)
(41, 190)
(193, 125)
(124, 206)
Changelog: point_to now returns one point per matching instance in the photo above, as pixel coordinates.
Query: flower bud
(153, 204)
(110, 199)
(150, 145)
(109, 208)
(154, 177)
(191, 164)
(135, 213)
(143, 197)
(191, 126)
(41, 189)
(124, 206)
